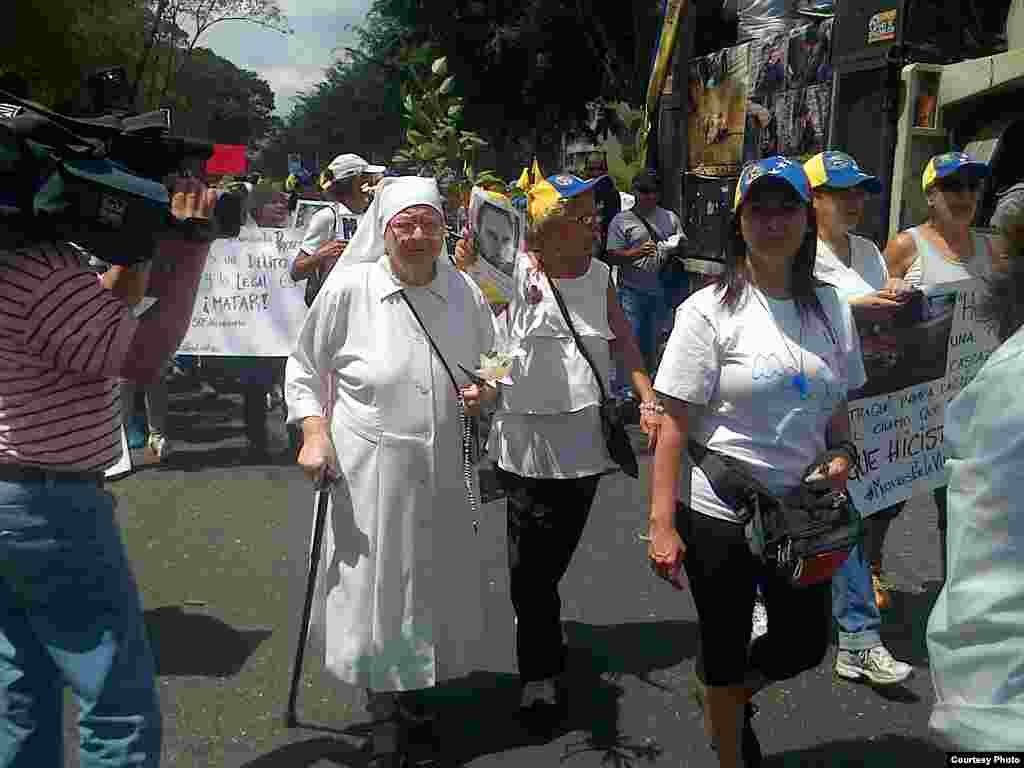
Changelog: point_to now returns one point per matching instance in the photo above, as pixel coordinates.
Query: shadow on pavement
(306, 754)
(883, 752)
(905, 624)
(178, 635)
(483, 707)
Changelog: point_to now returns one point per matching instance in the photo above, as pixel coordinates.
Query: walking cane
(291, 720)
(320, 520)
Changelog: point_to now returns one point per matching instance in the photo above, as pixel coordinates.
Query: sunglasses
(586, 220)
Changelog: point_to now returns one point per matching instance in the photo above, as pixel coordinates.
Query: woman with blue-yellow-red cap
(757, 369)
(546, 434)
(855, 266)
(857, 269)
(944, 249)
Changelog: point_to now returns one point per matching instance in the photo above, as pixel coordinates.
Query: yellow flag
(524, 180)
(659, 69)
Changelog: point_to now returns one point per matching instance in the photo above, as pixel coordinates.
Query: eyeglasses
(406, 228)
(586, 220)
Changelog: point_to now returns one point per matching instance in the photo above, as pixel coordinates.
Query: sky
(295, 62)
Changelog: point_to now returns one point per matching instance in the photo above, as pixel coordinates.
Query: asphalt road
(219, 545)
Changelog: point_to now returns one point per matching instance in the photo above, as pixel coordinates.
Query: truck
(904, 80)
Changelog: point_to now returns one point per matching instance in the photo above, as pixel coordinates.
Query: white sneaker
(539, 691)
(877, 665)
(159, 445)
(759, 621)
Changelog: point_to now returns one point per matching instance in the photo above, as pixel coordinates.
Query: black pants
(723, 575)
(545, 522)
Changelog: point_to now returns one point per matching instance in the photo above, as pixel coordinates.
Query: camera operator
(70, 610)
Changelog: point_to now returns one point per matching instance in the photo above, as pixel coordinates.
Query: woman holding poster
(546, 437)
(382, 349)
(757, 370)
(942, 250)
(855, 267)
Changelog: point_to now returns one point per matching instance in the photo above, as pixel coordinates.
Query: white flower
(496, 365)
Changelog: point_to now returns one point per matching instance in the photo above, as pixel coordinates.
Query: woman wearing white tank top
(943, 250)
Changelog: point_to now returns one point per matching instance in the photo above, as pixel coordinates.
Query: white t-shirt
(738, 370)
(323, 226)
(548, 424)
(867, 272)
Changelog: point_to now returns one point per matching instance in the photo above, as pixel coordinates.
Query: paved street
(219, 546)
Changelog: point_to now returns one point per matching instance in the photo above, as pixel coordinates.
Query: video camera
(102, 181)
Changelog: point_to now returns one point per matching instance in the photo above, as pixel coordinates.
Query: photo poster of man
(498, 231)
(916, 363)
(809, 56)
(802, 118)
(304, 212)
(717, 92)
(767, 80)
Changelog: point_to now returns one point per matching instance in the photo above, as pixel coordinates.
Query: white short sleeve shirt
(763, 384)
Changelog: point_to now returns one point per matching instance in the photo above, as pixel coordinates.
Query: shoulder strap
(576, 337)
(405, 298)
(650, 229)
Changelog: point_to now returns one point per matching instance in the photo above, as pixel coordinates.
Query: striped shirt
(63, 340)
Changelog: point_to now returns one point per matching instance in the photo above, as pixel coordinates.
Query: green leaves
(436, 141)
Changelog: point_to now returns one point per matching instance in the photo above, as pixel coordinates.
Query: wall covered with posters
(766, 97)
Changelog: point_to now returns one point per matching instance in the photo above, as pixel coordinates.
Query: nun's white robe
(399, 592)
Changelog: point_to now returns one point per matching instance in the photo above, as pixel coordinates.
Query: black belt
(16, 473)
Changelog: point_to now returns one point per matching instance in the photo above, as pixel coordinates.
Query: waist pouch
(805, 535)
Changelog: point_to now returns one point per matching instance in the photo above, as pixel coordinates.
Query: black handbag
(615, 436)
(805, 535)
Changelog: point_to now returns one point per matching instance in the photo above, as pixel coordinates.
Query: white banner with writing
(247, 305)
(915, 367)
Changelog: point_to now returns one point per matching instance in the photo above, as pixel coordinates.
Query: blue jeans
(647, 313)
(70, 615)
(853, 605)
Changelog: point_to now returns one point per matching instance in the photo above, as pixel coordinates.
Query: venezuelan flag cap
(545, 194)
(837, 170)
(778, 168)
(941, 166)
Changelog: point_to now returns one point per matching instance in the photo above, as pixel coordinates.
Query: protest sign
(247, 304)
(929, 353)
(498, 231)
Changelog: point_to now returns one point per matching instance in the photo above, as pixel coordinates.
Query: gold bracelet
(652, 406)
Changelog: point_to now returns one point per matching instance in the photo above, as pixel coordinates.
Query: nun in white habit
(400, 597)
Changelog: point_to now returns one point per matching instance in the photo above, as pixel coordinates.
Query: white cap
(349, 165)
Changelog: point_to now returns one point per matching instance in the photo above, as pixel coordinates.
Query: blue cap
(839, 171)
(544, 195)
(777, 167)
(941, 166)
(568, 185)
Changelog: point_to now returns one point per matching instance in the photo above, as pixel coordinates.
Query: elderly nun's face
(414, 235)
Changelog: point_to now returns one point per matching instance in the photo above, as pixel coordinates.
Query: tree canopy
(53, 46)
(525, 70)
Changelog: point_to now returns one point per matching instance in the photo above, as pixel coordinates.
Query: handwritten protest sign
(914, 369)
(247, 304)
(498, 231)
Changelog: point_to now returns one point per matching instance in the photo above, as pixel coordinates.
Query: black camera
(101, 181)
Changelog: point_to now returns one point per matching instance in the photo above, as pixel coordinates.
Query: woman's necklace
(799, 381)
